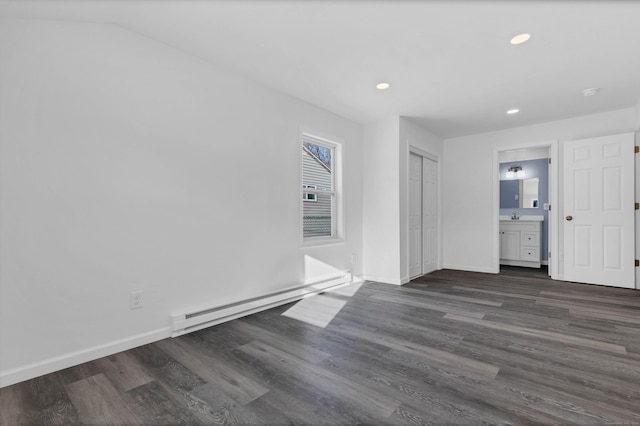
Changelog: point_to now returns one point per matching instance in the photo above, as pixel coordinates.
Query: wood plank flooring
(448, 348)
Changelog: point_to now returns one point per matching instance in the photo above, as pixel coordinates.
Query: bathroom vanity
(520, 240)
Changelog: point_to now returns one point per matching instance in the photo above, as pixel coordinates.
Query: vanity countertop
(524, 218)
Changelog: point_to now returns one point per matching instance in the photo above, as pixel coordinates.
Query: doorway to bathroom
(525, 185)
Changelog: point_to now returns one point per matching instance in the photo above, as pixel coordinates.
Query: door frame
(554, 198)
(436, 158)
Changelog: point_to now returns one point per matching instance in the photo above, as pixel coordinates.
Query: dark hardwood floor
(517, 271)
(448, 348)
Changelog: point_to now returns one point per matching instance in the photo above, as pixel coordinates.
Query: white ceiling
(450, 63)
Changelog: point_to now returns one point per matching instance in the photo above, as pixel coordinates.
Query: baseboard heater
(203, 318)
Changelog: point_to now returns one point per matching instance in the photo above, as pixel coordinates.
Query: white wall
(129, 165)
(469, 178)
(412, 135)
(385, 199)
(523, 154)
(381, 200)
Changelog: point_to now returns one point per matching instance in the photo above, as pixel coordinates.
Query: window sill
(322, 241)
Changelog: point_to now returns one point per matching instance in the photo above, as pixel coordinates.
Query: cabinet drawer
(531, 254)
(530, 239)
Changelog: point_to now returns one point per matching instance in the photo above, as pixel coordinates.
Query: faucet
(515, 216)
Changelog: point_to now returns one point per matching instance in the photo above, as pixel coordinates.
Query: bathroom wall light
(515, 172)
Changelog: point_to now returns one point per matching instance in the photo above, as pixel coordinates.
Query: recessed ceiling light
(383, 86)
(520, 38)
(590, 92)
(513, 111)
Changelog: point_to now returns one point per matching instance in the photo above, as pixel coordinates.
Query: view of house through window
(307, 196)
(318, 192)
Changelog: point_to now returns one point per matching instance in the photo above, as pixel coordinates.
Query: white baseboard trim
(470, 268)
(30, 371)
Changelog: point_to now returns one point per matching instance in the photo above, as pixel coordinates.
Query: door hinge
(637, 206)
(636, 149)
(549, 255)
(549, 160)
(637, 263)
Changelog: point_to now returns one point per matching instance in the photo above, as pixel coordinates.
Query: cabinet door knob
(569, 218)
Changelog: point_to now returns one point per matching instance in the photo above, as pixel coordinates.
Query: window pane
(317, 173)
(309, 197)
(317, 220)
(317, 166)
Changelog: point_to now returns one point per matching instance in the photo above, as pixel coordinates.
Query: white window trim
(338, 205)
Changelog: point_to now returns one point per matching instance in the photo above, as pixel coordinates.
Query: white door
(415, 215)
(429, 215)
(599, 211)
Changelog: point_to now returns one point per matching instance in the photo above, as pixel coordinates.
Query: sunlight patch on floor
(320, 309)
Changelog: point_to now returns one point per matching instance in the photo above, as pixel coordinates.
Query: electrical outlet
(353, 259)
(136, 299)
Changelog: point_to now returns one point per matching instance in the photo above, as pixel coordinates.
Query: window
(307, 196)
(319, 197)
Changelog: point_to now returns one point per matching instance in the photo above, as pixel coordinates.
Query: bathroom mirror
(519, 194)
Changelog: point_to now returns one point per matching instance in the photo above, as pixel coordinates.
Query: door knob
(569, 218)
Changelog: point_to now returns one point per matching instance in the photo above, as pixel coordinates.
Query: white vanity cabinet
(520, 241)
